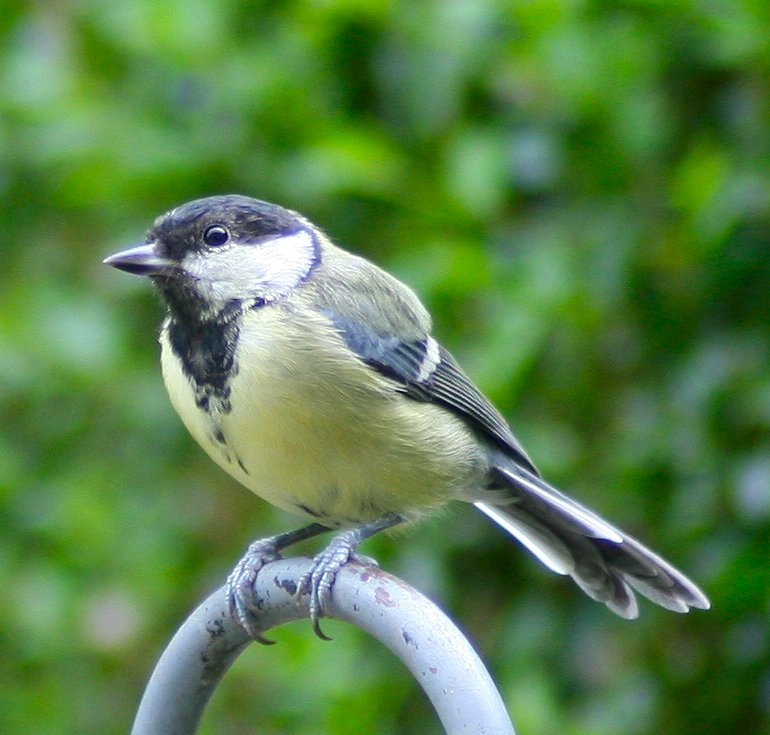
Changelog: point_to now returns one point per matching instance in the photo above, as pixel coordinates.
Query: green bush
(579, 190)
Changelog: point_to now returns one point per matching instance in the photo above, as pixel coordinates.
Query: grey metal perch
(438, 655)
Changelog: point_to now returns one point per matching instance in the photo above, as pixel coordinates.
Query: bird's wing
(426, 371)
(383, 322)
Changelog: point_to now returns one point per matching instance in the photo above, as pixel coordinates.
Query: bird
(312, 377)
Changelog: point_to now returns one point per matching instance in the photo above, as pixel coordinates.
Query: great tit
(310, 375)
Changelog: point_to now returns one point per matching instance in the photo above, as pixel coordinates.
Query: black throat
(205, 346)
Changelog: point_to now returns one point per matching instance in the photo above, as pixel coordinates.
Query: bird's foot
(318, 582)
(241, 596)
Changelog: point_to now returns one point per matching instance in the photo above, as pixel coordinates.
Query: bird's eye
(216, 236)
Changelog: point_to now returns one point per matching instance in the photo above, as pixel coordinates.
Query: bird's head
(210, 254)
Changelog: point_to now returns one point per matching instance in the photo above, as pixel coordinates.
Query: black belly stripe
(206, 351)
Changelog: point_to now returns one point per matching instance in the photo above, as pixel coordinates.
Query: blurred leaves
(579, 191)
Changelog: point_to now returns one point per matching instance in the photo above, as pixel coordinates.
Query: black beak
(141, 261)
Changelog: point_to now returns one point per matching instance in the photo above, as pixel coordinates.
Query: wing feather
(427, 371)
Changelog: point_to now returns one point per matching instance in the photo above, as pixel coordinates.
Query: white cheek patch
(287, 260)
(265, 270)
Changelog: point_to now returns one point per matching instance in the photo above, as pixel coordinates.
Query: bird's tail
(607, 564)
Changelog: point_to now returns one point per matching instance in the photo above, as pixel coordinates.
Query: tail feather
(534, 536)
(607, 564)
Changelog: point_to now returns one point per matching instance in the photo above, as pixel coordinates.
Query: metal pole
(437, 654)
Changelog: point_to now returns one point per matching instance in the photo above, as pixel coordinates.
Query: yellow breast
(314, 430)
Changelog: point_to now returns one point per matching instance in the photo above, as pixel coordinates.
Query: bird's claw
(317, 583)
(241, 595)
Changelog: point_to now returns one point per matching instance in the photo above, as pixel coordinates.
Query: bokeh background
(580, 192)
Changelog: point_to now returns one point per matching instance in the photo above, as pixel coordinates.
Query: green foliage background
(580, 192)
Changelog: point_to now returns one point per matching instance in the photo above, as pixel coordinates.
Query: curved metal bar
(438, 655)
